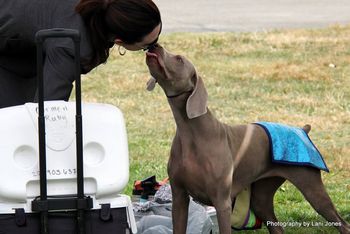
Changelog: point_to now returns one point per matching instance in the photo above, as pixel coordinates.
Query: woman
(132, 24)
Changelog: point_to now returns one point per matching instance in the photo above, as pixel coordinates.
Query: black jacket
(20, 20)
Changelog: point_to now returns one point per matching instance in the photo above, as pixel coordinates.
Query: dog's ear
(197, 102)
(151, 84)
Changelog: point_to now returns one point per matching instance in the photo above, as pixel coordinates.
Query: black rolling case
(64, 213)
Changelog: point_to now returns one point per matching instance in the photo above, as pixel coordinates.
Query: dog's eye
(179, 59)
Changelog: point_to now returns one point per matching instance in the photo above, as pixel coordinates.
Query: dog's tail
(307, 128)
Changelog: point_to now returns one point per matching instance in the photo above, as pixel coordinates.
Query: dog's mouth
(151, 58)
(156, 65)
(151, 55)
(154, 59)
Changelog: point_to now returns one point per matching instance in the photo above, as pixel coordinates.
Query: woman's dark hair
(128, 20)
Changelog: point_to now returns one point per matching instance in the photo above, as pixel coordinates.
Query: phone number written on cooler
(57, 172)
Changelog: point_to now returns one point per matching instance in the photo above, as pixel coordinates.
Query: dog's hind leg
(309, 182)
(263, 192)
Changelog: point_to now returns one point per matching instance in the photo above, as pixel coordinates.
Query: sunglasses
(145, 47)
(153, 43)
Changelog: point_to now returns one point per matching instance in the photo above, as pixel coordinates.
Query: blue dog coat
(291, 145)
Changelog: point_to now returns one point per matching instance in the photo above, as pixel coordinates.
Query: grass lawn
(288, 76)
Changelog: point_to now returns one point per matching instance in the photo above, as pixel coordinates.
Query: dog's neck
(179, 94)
(203, 125)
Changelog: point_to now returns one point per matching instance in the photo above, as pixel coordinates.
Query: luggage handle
(40, 37)
(43, 204)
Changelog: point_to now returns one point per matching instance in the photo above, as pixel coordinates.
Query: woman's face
(149, 40)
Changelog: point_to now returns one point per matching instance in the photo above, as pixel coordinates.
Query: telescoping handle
(44, 204)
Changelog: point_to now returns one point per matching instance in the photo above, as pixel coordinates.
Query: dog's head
(177, 76)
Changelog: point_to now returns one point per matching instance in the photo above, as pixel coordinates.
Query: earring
(121, 50)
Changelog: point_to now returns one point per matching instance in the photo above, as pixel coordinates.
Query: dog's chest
(200, 196)
(197, 187)
(194, 177)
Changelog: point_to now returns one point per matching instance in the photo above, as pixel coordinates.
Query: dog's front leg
(223, 213)
(180, 210)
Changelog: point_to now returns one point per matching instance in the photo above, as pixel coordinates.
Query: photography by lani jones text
(298, 224)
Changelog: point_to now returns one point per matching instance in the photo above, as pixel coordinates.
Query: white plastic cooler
(105, 148)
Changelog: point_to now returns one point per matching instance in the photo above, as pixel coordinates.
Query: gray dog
(213, 162)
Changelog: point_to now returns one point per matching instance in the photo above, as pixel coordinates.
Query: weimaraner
(213, 162)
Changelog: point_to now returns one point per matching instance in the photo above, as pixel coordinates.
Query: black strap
(20, 217)
(62, 203)
(105, 212)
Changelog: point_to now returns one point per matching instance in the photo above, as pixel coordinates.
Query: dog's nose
(153, 47)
